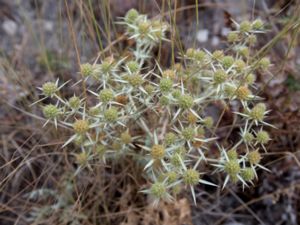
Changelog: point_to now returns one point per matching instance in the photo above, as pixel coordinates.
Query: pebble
(202, 35)
(10, 27)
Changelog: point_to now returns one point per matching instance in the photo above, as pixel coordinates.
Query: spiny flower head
(86, 69)
(250, 78)
(220, 76)
(188, 133)
(254, 157)
(258, 112)
(82, 158)
(158, 190)
(191, 177)
(232, 154)
(74, 102)
(264, 63)
(172, 176)
(106, 95)
(111, 114)
(170, 138)
(257, 24)
(135, 80)
(176, 93)
(94, 111)
(165, 85)
(185, 101)
(247, 174)
(144, 28)
(227, 61)
(49, 88)
(100, 149)
(126, 137)
(208, 122)
(192, 118)
(81, 126)
(240, 65)
(218, 54)
(243, 93)
(133, 66)
(131, 16)
(232, 37)
(149, 88)
(232, 167)
(158, 152)
(248, 137)
(51, 111)
(245, 26)
(262, 137)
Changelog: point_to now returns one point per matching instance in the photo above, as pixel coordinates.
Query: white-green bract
(169, 107)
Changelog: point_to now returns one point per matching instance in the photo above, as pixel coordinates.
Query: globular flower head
(126, 137)
(262, 137)
(74, 102)
(82, 158)
(227, 61)
(81, 126)
(188, 133)
(258, 112)
(218, 54)
(208, 122)
(240, 65)
(106, 65)
(133, 66)
(106, 95)
(144, 28)
(232, 167)
(251, 39)
(248, 137)
(170, 138)
(176, 93)
(192, 118)
(131, 16)
(247, 174)
(245, 26)
(244, 51)
(158, 152)
(185, 101)
(232, 37)
(51, 111)
(190, 52)
(264, 63)
(49, 88)
(220, 76)
(232, 154)
(199, 55)
(158, 190)
(111, 114)
(165, 85)
(135, 80)
(243, 93)
(149, 88)
(229, 90)
(257, 24)
(86, 69)
(191, 177)
(164, 100)
(94, 111)
(250, 78)
(254, 157)
(172, 176)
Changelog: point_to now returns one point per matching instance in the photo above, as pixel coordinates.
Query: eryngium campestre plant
(169, 106)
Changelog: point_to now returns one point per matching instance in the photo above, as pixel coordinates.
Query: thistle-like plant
(169, 105)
